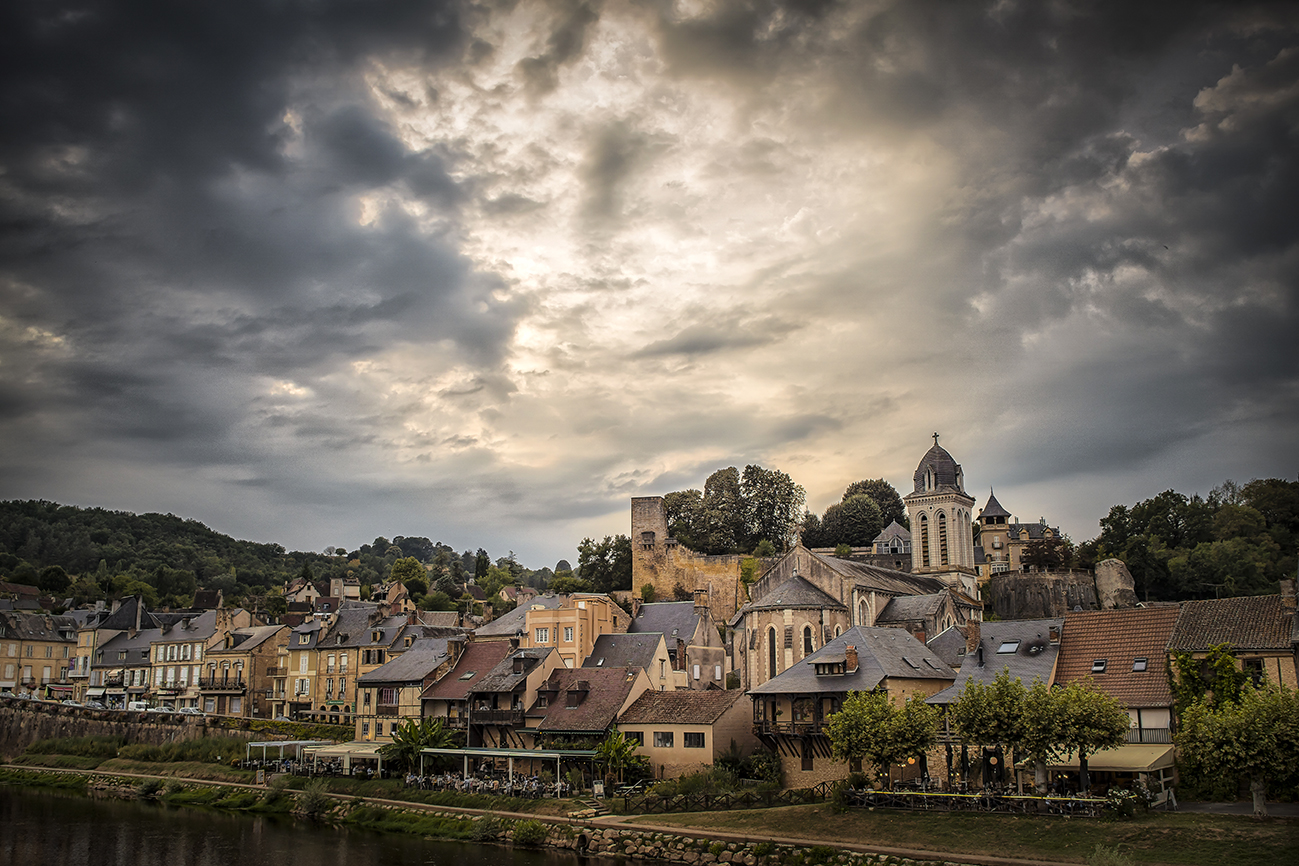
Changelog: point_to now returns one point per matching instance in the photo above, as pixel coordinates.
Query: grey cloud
(718, 336)
(565, 43)
(617, 151)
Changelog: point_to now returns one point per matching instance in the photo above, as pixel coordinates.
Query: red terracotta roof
(601, 693)
(478, 659)
(684, 707)
(1119, 637)
(1258, 622)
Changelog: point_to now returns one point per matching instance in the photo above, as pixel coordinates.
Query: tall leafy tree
(855, 522)
(1091, 721)
(872, 729)
(884, 494)
(773, 506)
(605, 565)
(1256, 738)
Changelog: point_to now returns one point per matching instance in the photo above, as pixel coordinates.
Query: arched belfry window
(807, 640)
(771, 653)
(942, 538)
(924, 540)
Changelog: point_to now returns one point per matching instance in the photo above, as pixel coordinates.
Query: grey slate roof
(883, 579)
(412, 666)
(245, 639)
(124, 617)
(1034, 657)
(623, 650)
(672, 619)
(881, 653)
(513, 621)
(1260, 622)
(797, 592)
(893, 530)
(137, 649)
(502, 678)
(944, 466)
(993, 508)
(949, 645)
(906, 608)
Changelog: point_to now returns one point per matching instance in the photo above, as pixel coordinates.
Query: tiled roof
(411, 666)
(623, 650)
(1033, 656)
(881, 653)
(478, 659)
(607, 691)
(798, 591)
(893, 530)
(248, 639)
(1119, 637)
(907, 608)
(504, 677)
(1258, 622)
(993, 508)
(672, 619)
(513, 622)
(683, 707)
(883, 579)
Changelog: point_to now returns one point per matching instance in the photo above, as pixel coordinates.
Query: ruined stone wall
(664, 565)
(25, 722)
(1020, 595)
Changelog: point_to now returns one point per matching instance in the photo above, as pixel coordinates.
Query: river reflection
(39, 828)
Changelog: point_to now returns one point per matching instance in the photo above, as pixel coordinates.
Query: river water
(40, 828)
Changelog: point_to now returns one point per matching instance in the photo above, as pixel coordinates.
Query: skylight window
(600, 663)
(1008, 646)
(1099, 665)
(910, 662)
(1140, 664)
(468, 675)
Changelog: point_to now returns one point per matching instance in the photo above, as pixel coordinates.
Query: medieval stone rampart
(662, 563)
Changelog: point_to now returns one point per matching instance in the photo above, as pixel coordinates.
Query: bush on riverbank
(36, 779)
(102, 747)
(418, 823)
(209, 750)
(183, 769)
(59, 762)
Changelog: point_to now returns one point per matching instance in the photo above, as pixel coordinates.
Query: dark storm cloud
(717, 336)
(167, 214)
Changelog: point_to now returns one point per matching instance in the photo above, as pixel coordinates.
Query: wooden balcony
(768, 727)
(387, 710)
(1150, 736)
(497, 717)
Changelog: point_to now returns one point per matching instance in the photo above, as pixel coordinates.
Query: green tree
(1214, 680)
(871, 728)
(773, 507)
(54, 580)
(568, 585)
(407, 568)
(606, 565)
(1092, 720)
(617, 753)
(437, 600)
(855, 522)
(1256, 738)
(885, 495)
(411, 737)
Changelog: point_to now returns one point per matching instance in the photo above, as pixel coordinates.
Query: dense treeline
(93, 553)
(1240, 540)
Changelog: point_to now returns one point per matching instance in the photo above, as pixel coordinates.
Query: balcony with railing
(497, 717)
(222, 684)
(1150, 736)
(277, 672)
(387, 710)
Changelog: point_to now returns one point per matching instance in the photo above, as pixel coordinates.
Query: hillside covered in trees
(1239, 540)
(94, 553)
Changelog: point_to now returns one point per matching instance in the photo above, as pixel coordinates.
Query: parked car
(95, 705)
(282, 719)
(71, 703)
(160, 710)
(137, 705)
(190, 711)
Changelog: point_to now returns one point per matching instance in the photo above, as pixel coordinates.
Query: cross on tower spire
(935, 438)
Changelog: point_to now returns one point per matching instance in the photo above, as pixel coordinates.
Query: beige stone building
(237, 671)
(391, 694)
(685, 731)
(697, 654)
(572, 627)
(36, 652)
(791, 710)
(942, 528)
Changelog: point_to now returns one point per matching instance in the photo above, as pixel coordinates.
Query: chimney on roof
(1288, 594)
(680, 663)
(972, 636)
(850, 658)
(636, 602)
(487, 612)
(701, 600)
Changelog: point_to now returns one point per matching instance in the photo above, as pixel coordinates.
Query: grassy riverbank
(1157, 837)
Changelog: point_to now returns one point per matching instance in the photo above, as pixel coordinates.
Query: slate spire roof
(993, 508)
(947, 472)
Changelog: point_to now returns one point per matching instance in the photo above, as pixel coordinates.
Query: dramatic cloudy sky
(312, 271)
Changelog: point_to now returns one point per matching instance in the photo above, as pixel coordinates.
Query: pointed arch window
(924, 540)
(807, 640)
(942, 538)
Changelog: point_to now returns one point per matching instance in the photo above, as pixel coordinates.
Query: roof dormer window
(1099, 665)
(1140, 664)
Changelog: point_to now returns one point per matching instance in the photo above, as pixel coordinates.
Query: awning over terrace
(555, 755)
(348, 752)
(280, 745)
(1125, 759)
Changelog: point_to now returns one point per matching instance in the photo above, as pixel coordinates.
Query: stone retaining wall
(24, 722)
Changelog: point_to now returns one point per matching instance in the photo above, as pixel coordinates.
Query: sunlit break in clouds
(316, 272)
